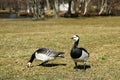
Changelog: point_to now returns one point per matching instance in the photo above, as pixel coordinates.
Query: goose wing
(56, 54)
(83, 49)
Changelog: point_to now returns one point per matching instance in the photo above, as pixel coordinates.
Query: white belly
(43, 57)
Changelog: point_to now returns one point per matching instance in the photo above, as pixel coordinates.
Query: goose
(78, 54)
(45, 55)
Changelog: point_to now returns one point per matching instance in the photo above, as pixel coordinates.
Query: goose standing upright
(78, 54)
(45, 55)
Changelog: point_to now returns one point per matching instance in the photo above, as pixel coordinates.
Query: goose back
(48, 52)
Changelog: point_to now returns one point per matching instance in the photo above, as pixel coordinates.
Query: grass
(19, 38)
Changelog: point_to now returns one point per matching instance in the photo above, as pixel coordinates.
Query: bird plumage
(45, 55)
(78, 54)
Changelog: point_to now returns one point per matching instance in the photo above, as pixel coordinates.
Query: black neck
(32, 58)
(76, 44)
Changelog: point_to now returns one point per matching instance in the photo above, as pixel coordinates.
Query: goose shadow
(52, 65)
(82, 67)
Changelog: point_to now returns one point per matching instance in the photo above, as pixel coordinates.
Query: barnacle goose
(78, 54)
(45, 55)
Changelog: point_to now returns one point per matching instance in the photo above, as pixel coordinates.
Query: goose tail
(60, 54)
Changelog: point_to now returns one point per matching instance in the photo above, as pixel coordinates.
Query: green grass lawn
(19, 38)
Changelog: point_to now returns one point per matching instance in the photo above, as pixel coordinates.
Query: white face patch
(75, 38)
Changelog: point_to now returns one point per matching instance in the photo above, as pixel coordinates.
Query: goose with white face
(75, 37)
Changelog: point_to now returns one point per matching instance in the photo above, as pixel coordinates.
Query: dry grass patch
(21, 37)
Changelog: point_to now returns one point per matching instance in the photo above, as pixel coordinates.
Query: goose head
(75, 38)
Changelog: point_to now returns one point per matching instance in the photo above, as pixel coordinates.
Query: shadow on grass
(52, 65)
(82, 67)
